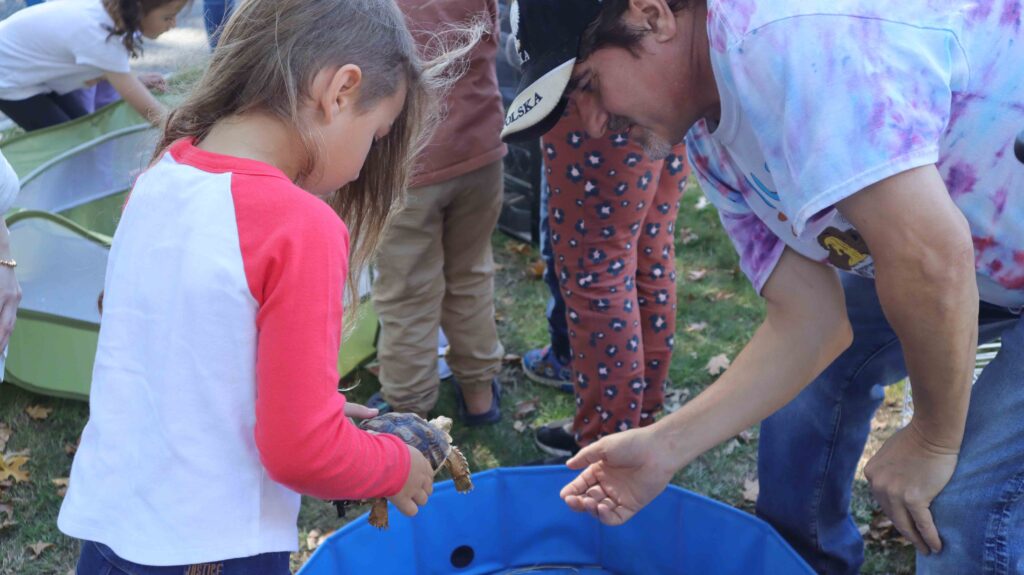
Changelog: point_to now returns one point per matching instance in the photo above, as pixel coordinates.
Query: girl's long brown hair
(266, 60)
(127, 16)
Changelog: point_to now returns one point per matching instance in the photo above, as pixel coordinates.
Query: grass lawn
(712, 291)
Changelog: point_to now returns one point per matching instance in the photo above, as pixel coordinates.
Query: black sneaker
(555, 440)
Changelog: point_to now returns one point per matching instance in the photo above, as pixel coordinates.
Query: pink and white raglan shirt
(214, 398)
(821, 98)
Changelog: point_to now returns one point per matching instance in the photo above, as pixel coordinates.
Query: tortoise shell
(433, 442)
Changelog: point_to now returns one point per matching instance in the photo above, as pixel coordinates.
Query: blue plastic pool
(514, 522)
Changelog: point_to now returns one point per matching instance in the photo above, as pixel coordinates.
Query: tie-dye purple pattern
(839, 94)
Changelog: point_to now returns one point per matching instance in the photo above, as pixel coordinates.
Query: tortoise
(431, 438)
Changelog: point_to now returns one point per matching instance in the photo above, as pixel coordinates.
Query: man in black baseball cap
(854, 135)
(556, 39)
(547, 38)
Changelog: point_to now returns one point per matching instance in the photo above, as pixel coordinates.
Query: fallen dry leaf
(5, 436)
(717, 364)
(863, 529)
(10, 467)
(746, 436)
(697, 327)
(535, 270)
(687, 237)
(730, 447)
(38, 548)
(38, 412)
(526, 408)
(519, 248)
(61, 483)
(751, 488)
(702, 203)
(881, 522)
(513, 358)
(720, 295)
(7, 521)
(901, 541)
(697, 274)
(675, 398)
(311, 539)
(71, 448)
(882, 529)
(519, 426)
(315, 539)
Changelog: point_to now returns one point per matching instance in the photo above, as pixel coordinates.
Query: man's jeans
(809, 451)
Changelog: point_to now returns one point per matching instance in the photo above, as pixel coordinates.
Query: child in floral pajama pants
(612, 216)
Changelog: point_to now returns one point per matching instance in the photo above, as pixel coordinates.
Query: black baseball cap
(547, 34)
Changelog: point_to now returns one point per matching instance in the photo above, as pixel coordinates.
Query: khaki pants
(435, 266)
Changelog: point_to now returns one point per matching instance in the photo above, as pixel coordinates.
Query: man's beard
(655, 148)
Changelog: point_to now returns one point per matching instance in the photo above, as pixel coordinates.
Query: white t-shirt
(8, 185)
(57, 46)
(822, 98)
(9, 188)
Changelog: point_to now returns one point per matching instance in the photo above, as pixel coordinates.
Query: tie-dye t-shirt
(821, 98)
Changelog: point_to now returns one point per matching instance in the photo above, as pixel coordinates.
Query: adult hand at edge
(906, 475)
(622, 473)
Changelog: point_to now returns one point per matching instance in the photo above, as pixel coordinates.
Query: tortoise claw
(379, 514)
(459, 468)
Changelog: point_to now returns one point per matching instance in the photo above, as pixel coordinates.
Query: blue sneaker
(541, 366)
(491, 416)
(378, 402)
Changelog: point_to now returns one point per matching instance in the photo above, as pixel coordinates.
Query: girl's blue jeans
(98, 559)
(809, 451)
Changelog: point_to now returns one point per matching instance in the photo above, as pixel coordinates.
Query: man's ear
(335, 91)
(654, 17)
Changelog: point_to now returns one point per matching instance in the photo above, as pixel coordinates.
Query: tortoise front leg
(379, 513)
(459, 468)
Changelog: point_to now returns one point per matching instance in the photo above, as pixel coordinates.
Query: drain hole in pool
(462, 556)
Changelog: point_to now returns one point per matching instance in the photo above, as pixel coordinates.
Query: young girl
(10, 291)
(214, 401)
(52, 54)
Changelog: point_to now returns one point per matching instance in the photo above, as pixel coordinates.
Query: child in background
(436, 266)
(214, 399)
(53, 53)
(612, 213)
(215, 14)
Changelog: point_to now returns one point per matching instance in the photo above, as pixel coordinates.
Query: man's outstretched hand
(621, 474)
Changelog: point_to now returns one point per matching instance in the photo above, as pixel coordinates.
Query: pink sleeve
(295, 251)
